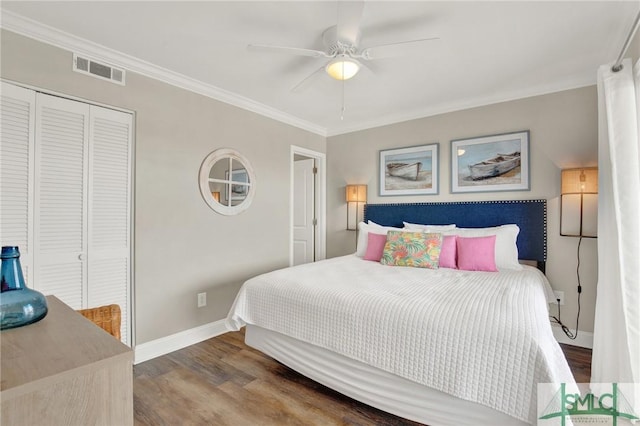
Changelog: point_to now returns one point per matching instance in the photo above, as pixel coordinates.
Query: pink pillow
(477, 253)
(448, 252)
(375, 247)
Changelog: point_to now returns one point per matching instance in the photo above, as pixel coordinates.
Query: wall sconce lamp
(356, 197)
(579, 203)
(578, 218)
(216, 196)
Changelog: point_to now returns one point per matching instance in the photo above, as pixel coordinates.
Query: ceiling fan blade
(349, 17)
(289, 50)
(308, 80)
(396, 49)
(369, 67)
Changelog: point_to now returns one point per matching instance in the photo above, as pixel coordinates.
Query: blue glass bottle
(19, 305)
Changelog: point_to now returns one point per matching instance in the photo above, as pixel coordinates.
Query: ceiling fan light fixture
(342, 68)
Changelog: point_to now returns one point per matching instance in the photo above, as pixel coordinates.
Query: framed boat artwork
(409, 171)
(491, 163)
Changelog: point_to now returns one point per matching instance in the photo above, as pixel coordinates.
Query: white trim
(174, 342)
(321, 200)
(66, 96)
(132, 232)
(463, 105)
(44, 33)
(584, 339)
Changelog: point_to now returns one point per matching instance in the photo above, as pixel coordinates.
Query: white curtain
(616, 335)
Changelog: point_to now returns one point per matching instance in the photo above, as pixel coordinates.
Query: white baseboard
(164, 345)
(584, 339)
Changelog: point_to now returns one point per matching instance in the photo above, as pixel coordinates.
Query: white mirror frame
(205, 191)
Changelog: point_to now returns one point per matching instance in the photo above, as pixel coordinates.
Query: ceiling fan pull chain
(343, 108)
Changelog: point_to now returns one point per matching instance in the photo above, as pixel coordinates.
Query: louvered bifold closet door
(109, 211)
(62, 134)
(17, 123)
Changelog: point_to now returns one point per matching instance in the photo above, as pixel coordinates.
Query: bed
(438, 346)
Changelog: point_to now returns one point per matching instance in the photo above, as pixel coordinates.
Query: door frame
(320, 200)
(132, 193)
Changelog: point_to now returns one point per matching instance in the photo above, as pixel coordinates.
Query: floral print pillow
(417, 249)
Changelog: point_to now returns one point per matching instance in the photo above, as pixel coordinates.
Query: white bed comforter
(480, 336)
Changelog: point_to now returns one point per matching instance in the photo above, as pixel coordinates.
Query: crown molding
(464, 105)
(36, 30)
(46, 34)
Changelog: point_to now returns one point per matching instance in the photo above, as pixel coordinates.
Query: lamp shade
(580, 181)
(356, 193)
(579, 202)
(342, 68)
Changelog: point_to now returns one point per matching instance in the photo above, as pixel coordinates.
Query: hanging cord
(343, 107)
(566, 330)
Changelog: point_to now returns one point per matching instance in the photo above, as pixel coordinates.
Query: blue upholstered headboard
(529, 215)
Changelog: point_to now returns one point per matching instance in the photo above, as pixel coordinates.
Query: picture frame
(411, 170)
(491, 163)
(238, 192)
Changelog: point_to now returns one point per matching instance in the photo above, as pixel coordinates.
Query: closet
(65, 197)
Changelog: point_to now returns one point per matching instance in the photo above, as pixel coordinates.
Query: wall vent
(91, 67)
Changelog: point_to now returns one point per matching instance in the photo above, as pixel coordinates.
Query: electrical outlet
(559, 295)
(202, 300)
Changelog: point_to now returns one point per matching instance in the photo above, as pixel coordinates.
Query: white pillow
(506, 249)
(363, 235)
(372, 223)
(429, 228)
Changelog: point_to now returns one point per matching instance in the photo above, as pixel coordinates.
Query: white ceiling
(487, 52)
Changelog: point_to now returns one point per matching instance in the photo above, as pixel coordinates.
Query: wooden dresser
(64, 370)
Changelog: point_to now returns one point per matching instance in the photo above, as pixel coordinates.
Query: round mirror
(227, 181)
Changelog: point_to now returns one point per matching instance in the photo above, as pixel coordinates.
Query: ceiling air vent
(84, 65)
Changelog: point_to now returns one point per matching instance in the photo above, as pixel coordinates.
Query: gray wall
(563, 128)
(182, 247)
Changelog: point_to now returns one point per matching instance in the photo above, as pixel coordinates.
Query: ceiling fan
(342, 47)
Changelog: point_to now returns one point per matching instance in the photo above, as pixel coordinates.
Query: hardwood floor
(580, 362)
(221, 381)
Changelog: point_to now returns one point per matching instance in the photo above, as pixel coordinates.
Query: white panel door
(61, 171)
(303, 212)
(109, 211)
(17, 124)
